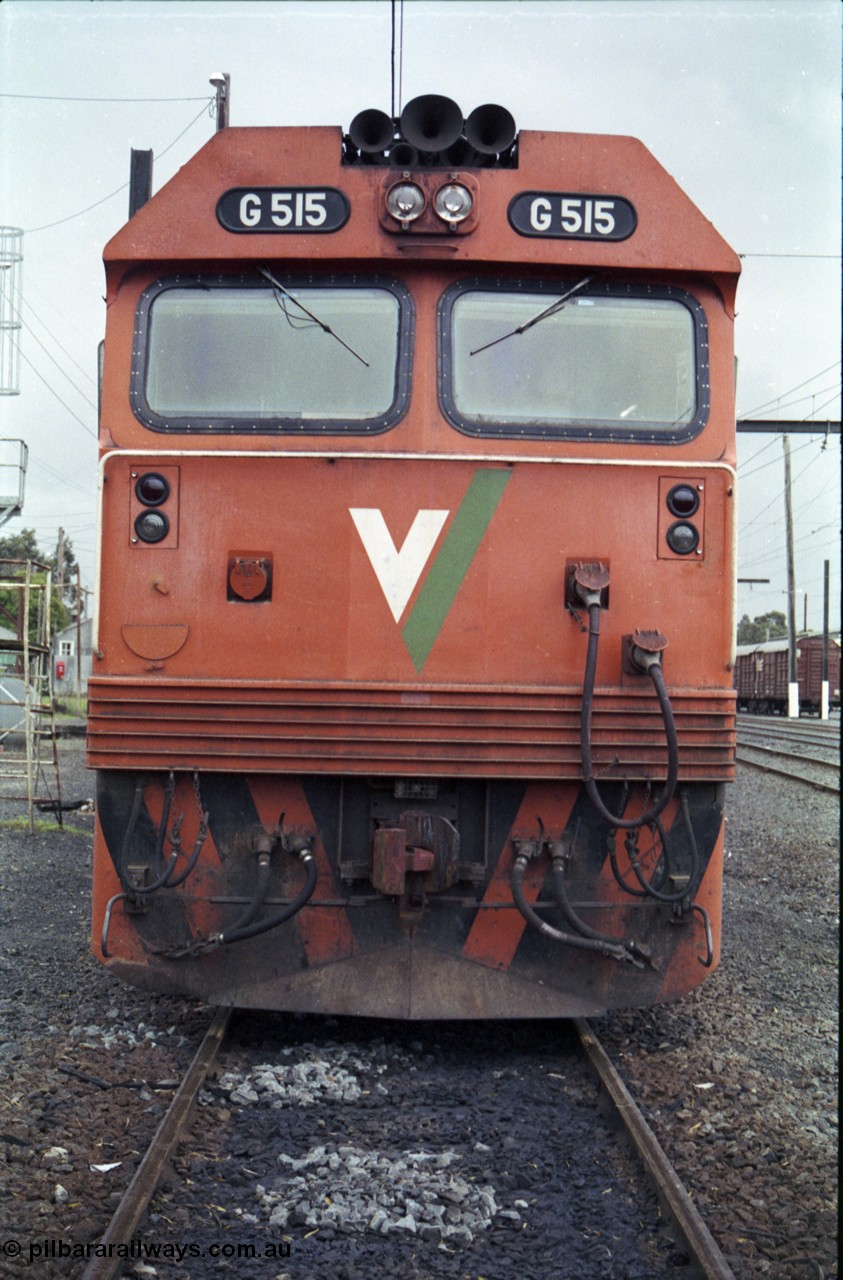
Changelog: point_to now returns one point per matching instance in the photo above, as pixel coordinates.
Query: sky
(738, 99)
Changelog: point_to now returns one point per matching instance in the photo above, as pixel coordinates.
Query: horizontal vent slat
(380, 728)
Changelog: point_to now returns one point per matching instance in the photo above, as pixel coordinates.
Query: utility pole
(78, 632)
(824, 685)
(793, 686)
(60, 566)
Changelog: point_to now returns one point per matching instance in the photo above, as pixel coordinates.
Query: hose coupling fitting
(646, 649)
(526, 849)
(590, 581)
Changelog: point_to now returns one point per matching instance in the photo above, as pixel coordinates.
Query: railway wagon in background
(412, 683)
(762, 673)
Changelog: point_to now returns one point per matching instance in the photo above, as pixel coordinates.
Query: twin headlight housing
(452, 203)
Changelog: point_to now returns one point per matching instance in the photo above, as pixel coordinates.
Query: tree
(770, 626)
(22, 547)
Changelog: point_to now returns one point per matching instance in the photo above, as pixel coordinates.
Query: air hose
(637, 953)
(242, 930)
(653, 667)
(606, 946)
(164, 879)
(246, 926)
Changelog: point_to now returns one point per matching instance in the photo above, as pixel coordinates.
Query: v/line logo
(398, 570)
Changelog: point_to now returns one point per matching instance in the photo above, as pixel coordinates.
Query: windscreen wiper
(548, 311)
(326, 328)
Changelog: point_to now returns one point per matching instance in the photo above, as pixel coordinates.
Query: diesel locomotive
(412, 689)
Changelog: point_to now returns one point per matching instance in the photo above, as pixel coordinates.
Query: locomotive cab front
(412, 685)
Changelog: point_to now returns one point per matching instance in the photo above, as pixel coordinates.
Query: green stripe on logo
(452, 563)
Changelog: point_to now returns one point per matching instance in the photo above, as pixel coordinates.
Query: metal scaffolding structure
(29, 764)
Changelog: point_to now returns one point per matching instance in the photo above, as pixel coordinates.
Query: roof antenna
(399, 4)
(221, 81)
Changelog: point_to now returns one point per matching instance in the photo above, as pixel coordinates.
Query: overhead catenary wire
(85, 373)
(774, 461)
(208, 102)
(774, 553)
(69, 322)
(51, 357)
(790, 255)
(775, 400)
(52, 389)
(786, 404)
(67, 481)
(67, 97)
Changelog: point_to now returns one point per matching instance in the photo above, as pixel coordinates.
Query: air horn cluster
(431, 131)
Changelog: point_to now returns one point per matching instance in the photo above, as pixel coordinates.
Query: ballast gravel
(739, 1080)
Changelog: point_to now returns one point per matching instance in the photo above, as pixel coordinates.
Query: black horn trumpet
(403, 156)
(372, 131)
(431, 123)
(490, 129)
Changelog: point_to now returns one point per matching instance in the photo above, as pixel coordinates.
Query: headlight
(405, 202)
(152, 489)
(682, 501)
(152, 526)
(453, 203)
(683, 538)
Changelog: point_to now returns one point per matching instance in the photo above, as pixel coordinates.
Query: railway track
(808, 753)
(441, 1195)
(825, 734)
(821, 773)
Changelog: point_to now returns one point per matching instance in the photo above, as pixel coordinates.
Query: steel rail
(833, 788)
(702, 1248)
(141, 1189)
(828, 741)
(784, 726)
(799, 756)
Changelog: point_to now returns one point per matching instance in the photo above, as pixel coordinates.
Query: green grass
(41, 826)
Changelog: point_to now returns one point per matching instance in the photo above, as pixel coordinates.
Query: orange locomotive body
(412, 688)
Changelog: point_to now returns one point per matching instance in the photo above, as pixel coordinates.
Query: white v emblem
(398, 571)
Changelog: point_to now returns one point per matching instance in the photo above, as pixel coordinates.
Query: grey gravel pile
(419, 1192)
(327, 1073)
(129, 1034)
(354, 1189)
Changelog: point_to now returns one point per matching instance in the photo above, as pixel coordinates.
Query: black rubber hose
(656, 676)
(563, 902)
(258, 896)
(612, 949)
(192, 860)
(169, 792)
(292, 908)
(691, 887)
(134, 814)
(164, 878)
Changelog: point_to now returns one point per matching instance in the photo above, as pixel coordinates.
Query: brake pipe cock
(590, 581)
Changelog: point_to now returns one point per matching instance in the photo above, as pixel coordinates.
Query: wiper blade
(326, 328)
(555, 306)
